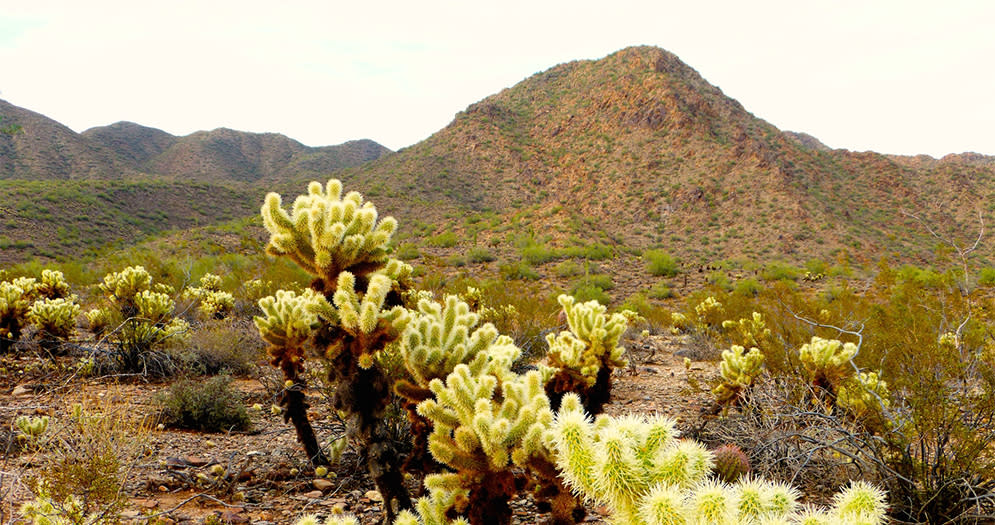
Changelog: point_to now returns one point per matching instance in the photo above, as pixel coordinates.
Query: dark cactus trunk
(490, 499)
(296, 413)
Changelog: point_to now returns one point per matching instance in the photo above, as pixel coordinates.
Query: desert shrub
(443, 240)
(89, 453)
(520, 271)
(535, 254)
(661, 263)
(407, 252)
(747, 287)
(591, 252)
(228, 345)
(457, 261)
(660, 290)
(986, 277)
(478, 255)
(778, 271)
(568, 268)
(719, 279)
(603, 281)
(586, 291)
(210, 406)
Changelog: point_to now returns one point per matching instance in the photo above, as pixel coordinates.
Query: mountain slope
(639, 149)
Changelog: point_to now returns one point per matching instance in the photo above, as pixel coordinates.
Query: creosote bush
(210, 406)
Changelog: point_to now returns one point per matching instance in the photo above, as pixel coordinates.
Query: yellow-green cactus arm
(325, 233)
(54, 317)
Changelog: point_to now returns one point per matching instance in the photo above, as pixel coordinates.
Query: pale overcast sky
(890, 76)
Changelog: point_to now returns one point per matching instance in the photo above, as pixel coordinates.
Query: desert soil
(263, 478)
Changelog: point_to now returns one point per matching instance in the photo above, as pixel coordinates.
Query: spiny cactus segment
(752, 332)
(827, 362)
(738, 370)
(863, 395)
(215, 303)
(55, 320)
(584, 357)
(326, 233)
(645, 476)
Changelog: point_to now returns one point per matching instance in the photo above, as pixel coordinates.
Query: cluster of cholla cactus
(738, 370)
(140, 317)
(707, 316)
(644, 475)
(751, 332)
(354, 314)
(827, 362)
(44, 302)
(215, 303)
(585, 356)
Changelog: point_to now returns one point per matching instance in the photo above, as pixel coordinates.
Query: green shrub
(479, 254)
(588, 292)
(777, 271)
(660, 263)
(539, 254)
(660, 290)
(209, 406)
(520, 270)
(747, 287)
(443, 240)
(986, 277)
(568, 268)
(407, 252)
(602, 281)
(456, 260)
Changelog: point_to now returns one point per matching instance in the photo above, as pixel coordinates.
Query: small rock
(314, 494)
(233, 516)
(322, 484)
(21, 391)
(373, 495)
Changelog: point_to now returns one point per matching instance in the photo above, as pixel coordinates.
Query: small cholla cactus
(863, 394)
(99, 320)
(55, 320)
(214, 302)
(752, 332)
(32, 427)
(14, 306)
(827, 362)
(738, 369)
(731, 463)
(584, 357)
(122, 287)
(680, 323)
(710, 312)
(52, 285)
(645, 476)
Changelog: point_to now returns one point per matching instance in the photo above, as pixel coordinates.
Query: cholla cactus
(55, 320)
(214, 302)
(863, 395)
(827, 362)
(327, 234)
(99, 319)
(645, 476)
(32, 427)
(53, 285)
(287, 322)
(738, 369)
(710, 312)
(752, 332)
(483, 424)
(585, 356)
(122, 287)
(14, 306)
(340, 241)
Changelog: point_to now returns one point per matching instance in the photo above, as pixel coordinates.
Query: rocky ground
(258, 476)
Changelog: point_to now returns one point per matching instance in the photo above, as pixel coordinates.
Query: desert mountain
(64, 193)
(637, 148)
(48, 150)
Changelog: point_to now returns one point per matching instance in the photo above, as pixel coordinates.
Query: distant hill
(65, 194)
(638, 149)
(47, 150)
